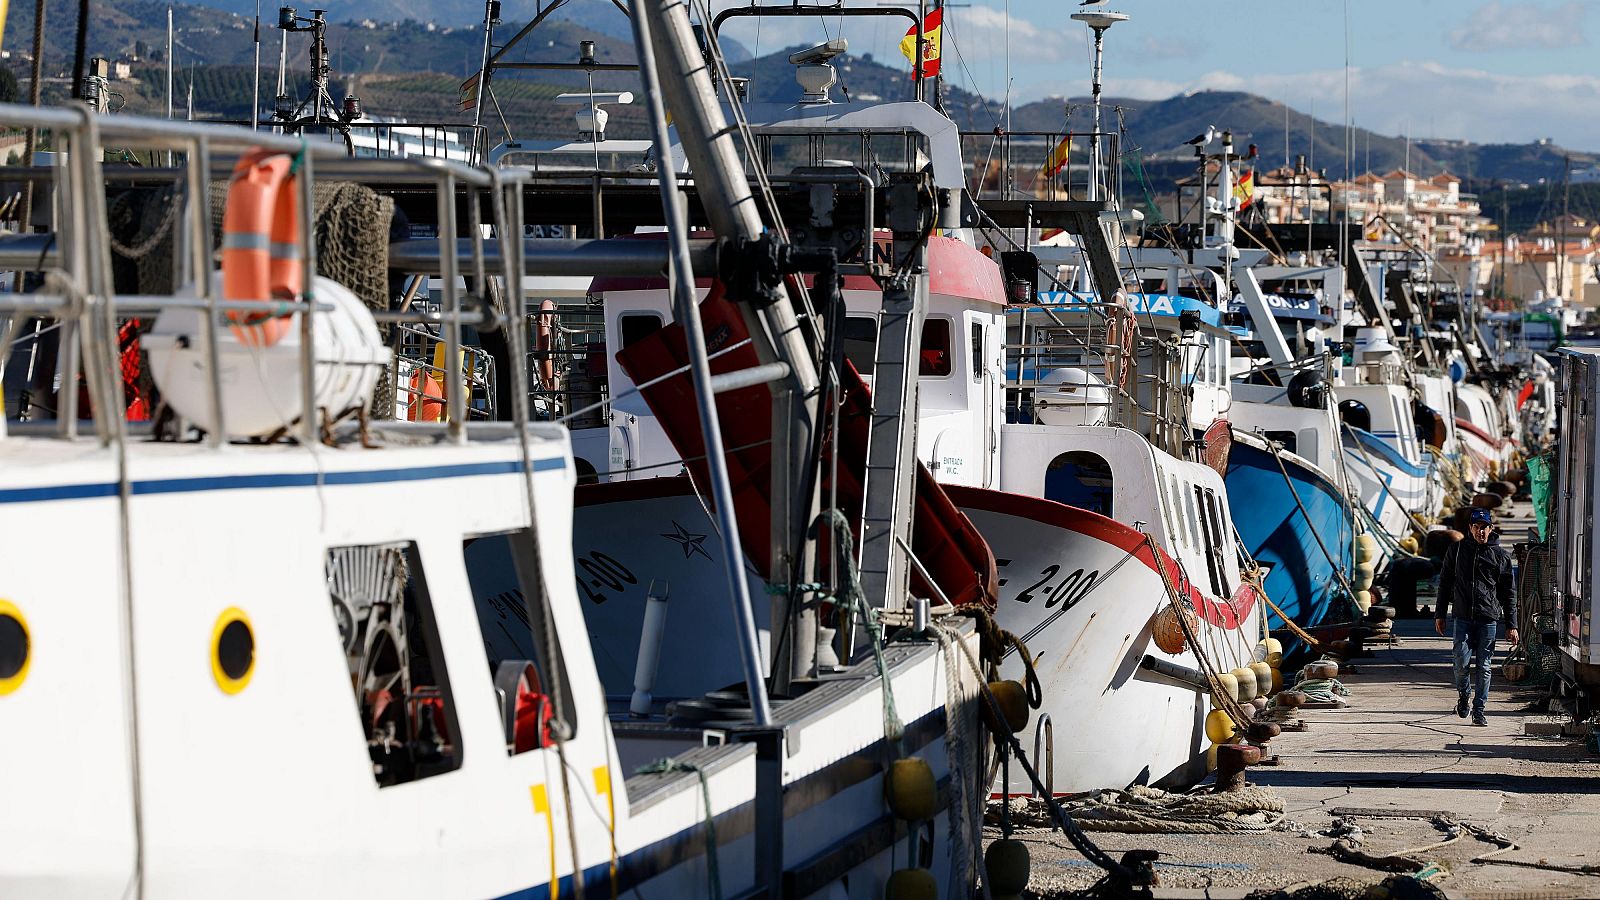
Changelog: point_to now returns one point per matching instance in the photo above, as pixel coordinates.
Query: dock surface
(1397, 749)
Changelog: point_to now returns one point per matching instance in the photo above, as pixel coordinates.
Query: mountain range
(405, 66)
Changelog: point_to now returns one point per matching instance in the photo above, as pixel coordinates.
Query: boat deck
(1397, 748)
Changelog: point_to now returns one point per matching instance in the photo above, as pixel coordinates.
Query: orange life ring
(261, 243)
(1122, 333)
(544, 341)
(427, 398)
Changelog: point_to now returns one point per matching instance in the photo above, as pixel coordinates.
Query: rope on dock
(1147, 810)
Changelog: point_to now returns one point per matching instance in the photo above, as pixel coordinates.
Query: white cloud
(1437, 101)
(981, 33)
(1474, 104)
(1518, 26)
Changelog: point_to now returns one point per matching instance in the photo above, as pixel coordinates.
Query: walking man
(1476, 581)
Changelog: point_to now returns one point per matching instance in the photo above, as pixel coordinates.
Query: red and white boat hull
(1080, 590)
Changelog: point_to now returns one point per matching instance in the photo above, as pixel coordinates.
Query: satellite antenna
(1099, 22)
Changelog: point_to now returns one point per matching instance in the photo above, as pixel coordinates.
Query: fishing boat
(1387, 461)
(275, 566)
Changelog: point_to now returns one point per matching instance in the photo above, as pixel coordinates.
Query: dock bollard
(1232, 760)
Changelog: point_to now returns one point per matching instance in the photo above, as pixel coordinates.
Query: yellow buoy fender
(911, 884)
(1366, 548)
(1219, 726)
(1247, 683)
(1263, 678)
(1006, 867)
(1270, 651)
(1226, 684)
(911, 790)
(1013, 702)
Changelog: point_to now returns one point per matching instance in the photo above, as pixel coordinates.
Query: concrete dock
(1391, 761)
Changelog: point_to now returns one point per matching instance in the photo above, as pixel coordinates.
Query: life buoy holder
(261, 243)
(1122, 334)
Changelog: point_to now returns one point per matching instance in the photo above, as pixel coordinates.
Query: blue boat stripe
(276, 480)
(59, 492)
(1389, 453)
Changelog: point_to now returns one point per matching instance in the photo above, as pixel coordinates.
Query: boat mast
(775, 331)
(1099, 22)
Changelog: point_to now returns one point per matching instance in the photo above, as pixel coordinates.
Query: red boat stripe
(1229, 614)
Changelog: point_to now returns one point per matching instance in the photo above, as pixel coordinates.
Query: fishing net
(1147, 810)
(1539, 490)
(352, 241)
(1536, 583)
(1395, 887)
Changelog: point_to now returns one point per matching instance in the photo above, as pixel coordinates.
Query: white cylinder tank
(261, 384)
(1072, 396)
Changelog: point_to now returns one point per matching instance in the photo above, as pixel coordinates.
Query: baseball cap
(1480, 516)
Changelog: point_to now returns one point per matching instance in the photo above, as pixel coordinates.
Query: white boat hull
(1080, 590)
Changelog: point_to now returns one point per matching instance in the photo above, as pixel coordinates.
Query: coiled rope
(1148, 810)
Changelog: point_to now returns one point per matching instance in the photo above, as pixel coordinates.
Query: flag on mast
(1245, 189)
(931, 44)
(1058, 157)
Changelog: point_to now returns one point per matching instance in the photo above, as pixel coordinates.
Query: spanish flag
(1058, 157)
(930, 39)
(1245, 189)
(469, 92)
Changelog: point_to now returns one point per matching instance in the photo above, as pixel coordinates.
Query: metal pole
(686, 311)
(483, 83)
(169, 65)
(199, 203)
(308, 262)
(283, 60)
(732, 210)
(455, 404)
(1094, 139)
(255, 83)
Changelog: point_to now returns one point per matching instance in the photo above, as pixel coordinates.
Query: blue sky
(1496, 71)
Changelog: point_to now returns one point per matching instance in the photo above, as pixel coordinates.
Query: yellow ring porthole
(16, 647)
(233, 650)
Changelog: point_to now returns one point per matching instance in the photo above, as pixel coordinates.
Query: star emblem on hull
(688, 540)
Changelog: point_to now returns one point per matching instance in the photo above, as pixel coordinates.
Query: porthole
(233, 651)
(16, 647)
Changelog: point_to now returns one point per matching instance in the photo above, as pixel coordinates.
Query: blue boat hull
(1300, 577)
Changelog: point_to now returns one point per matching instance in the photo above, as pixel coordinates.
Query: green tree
(9, 91)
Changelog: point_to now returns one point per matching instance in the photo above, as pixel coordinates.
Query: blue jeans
(1474, 653)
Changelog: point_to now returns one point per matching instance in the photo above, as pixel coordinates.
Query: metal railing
(79, 293)
(1146, 399)
(1015, 164)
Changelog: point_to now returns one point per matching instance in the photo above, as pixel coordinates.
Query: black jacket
(1476, 581)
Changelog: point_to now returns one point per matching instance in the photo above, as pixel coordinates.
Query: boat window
(1189, 519)
(1219, 541)
(385, 620)
(1308, 444)
(935, 352)
(977, 352)
(1287, 438)
(518, 635)
(636, 326)
(1174, 509)
(861, 342)
(1081, 479)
